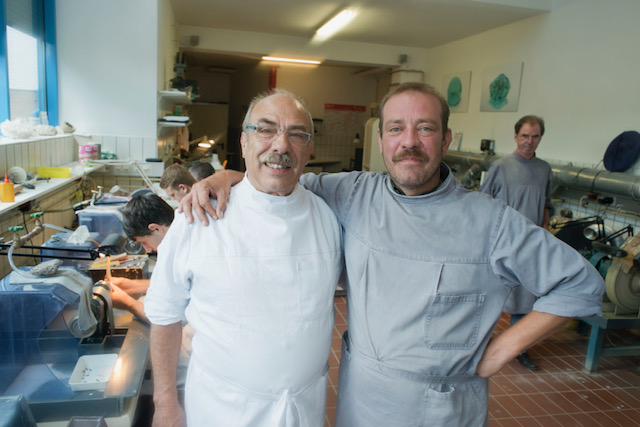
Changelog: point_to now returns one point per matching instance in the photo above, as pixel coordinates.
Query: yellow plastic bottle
(7, 194)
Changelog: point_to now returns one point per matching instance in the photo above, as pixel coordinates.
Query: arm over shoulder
(335, 188)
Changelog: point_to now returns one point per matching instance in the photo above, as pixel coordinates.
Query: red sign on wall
(343, 107)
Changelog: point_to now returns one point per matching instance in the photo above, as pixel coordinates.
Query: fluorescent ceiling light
(297, 61)
(204, 145)
(335, 24)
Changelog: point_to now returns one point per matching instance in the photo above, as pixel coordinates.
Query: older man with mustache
(429, 268)
(257, 287)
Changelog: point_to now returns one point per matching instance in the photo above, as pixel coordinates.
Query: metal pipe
(597, 180)
(468, 158)
(33, 233)
(592, 180)
(55, 227)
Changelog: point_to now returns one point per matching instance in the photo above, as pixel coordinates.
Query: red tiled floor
(509, 422)
(584, 419)
(548, 405)
(562, 420)
(560, 394)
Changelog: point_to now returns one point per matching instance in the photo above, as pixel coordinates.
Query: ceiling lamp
(293, 60)
(335, 24)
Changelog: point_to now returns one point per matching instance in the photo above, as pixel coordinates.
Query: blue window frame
(34, 20)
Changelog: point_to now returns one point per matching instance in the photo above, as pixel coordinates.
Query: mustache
(413, 153)
(281, 159)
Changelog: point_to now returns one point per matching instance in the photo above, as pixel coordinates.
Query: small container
(87, 422)
(7, 194)
(89, 152)
(92, 372)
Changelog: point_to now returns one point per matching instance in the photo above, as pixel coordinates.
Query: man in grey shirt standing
(523, 182)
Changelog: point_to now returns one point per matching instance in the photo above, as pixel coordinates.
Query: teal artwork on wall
(454, 91)
(456, 86)
(498, 91)
(501, 88)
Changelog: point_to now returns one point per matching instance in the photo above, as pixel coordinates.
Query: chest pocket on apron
(452, 322)
(316, 281)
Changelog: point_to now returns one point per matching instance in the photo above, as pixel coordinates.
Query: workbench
(599, 325)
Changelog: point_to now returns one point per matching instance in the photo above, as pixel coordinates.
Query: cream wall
(113, 58)
(327, 85)
(108, 65)
(167, 44)
(581, 65)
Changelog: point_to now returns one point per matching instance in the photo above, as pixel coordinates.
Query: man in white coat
(257, 287)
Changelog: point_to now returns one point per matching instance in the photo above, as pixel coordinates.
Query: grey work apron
(371, 394)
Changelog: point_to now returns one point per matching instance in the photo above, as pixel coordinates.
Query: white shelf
(176, 96)
(167, 99)
(164, 124)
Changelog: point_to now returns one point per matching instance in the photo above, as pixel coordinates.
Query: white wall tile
(34, 158)
(17, 156)
(108, 143)
(67, 150)
(122, 147)
(50, 153)
(43, 156)
(136, 149)
(72, 149)
(58, 152)
(10, 158)
(25, 156)
(3, 159)
(149, 148)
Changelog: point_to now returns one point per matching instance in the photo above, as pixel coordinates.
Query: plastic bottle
(7, 194)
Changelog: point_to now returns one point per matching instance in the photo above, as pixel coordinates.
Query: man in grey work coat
(429, 267)
(523, 182)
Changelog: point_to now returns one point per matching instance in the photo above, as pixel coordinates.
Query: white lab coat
(257, 287)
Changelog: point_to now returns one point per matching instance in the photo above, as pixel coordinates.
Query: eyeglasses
(524, 137)
(269, 133)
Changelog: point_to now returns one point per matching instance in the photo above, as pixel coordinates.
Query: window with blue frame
(28, 65)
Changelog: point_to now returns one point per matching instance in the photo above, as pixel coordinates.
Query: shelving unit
(167, 130)
(167, 99)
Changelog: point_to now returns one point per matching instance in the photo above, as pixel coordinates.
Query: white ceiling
(411, 23)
